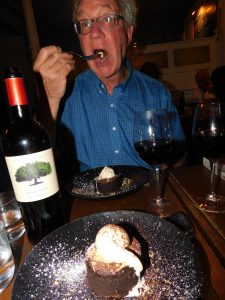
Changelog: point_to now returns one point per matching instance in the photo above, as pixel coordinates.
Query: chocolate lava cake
(108, 181)
(113, 264)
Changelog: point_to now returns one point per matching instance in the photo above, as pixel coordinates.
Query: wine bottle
(30, 161)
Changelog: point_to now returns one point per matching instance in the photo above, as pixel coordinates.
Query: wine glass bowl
(153, 143)
(209, 140)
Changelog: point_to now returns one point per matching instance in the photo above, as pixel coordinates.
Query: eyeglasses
(106, 22)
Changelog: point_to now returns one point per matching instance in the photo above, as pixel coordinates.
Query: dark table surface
(182, 186)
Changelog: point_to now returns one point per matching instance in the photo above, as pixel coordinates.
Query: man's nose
(96, 30)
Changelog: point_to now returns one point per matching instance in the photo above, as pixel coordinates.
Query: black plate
(83, 184)
(55, 268)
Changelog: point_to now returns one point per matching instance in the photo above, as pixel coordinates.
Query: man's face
(113, 42)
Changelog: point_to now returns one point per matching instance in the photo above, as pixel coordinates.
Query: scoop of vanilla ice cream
(111, 233)
(106, 173)
(111, 243)
(100, 54)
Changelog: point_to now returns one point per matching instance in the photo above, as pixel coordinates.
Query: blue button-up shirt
(102, 124)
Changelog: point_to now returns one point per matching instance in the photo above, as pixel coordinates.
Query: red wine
(29, 157)
(211, 146)
(154, 152)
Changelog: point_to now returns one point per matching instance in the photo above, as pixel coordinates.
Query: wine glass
(153, 142)
(208, 133)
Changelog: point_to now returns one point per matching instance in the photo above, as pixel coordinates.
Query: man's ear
(130, 30)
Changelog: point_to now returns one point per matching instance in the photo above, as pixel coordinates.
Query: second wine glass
(153, 142)
(209, 139)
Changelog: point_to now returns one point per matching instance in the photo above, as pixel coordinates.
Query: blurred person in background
(205, 86)
(218, 80)
(152, 69)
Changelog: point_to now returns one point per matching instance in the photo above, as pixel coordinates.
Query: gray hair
(127, 8)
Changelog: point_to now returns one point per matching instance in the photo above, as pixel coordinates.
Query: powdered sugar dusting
(63, 274)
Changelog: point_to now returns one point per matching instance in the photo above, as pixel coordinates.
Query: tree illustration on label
(33, 171)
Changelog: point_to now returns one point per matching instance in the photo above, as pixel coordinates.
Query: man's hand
(54, 66)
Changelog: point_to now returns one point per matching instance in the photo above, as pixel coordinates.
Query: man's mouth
(100, 53)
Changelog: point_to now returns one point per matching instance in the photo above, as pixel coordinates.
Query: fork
(87, 57)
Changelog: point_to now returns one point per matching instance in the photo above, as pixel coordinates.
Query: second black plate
(83, 184)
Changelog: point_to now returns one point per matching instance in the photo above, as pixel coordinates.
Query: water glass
(7, 264)
(10, 215)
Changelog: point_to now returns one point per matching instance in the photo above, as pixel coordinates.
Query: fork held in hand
(87, 57)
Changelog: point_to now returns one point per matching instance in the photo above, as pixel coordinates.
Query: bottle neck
(17, 98)
(20, 112)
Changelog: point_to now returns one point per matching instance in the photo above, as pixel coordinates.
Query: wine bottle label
(33, 176)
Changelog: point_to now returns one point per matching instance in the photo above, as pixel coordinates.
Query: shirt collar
(121, 86)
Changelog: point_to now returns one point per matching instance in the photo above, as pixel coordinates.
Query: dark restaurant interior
(180, 38)
(164, 30)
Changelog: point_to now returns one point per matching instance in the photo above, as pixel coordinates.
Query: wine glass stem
(213, 164)
(157, 175)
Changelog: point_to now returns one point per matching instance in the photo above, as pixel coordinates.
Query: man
(99, 111)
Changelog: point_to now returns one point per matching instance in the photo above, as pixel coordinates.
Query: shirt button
(114, 128)
(112, 105)
(117, 151)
